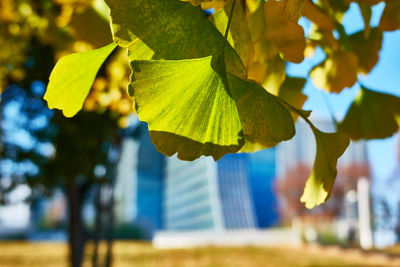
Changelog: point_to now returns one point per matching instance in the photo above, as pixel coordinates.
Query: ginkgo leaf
(369, 2)
(372, 115)
(275, 74)
(318, 16)
(366, 49)
(265, 121)
(194, 109)
(239, 34)
(330, 146)
(285, 34)
(295, 9)
(72, 78)
(168, 29)
(291, 92)
(252, 5)
(256, 21)
(215, 4)
(336, 72)
(187, 106)
(390, 19)
(198, 2)
(366, 12)
(91, 27)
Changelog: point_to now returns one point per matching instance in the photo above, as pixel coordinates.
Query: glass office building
(234, 193)
(157, 192)
(191, 199)
(139, 183)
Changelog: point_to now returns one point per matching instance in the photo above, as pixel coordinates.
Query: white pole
(364, 213)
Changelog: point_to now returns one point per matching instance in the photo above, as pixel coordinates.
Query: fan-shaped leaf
(372, 115)
(330, 146)
(72, 78)
(239, 35)
(338, 71)
(367, 49)
(285, 34)
(168, 29)
(189, 101)
(265, 121)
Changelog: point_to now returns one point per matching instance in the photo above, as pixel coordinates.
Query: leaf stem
(298, 112)
(228, 26)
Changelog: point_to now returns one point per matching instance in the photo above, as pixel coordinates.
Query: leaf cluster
(216, 85)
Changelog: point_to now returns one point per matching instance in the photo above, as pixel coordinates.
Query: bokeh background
(98, 178)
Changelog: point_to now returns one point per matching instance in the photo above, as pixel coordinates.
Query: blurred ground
(23, 254)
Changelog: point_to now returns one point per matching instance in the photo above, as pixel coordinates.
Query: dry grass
(21, 254)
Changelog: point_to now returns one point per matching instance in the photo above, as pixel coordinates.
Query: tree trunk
(76, 229)
(110, 230)
(98, 228)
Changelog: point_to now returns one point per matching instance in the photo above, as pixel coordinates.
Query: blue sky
(385, 77)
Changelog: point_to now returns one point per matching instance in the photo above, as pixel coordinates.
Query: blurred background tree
(55, 152)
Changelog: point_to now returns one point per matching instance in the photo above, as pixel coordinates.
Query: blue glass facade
(161, 193)
(236, 202)
(139, 184)
(150, 174)
(261, 180)
(190, 195)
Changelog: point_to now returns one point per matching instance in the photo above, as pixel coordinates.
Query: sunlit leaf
(336, 72)
(252, 5)
(215, 4)
(330, 146)
(187, 106)
(275, 74)
(72, 78)
(239, 35)
(193, 109)
(168, 29)
(372, 115)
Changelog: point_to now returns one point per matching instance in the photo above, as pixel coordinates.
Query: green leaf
(366, 49)
(195, 108)
(168, 29)
(265, 121)
(372, 115)
(72, 78)
(187, 106)
(239, 34)
(330, 146)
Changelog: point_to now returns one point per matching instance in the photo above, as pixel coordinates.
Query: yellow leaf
(275, 74)
(336, 72)
(295, 9)
(390, 20)
(330, 146)
(285, 34)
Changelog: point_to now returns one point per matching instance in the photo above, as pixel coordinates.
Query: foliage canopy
(216, 85)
